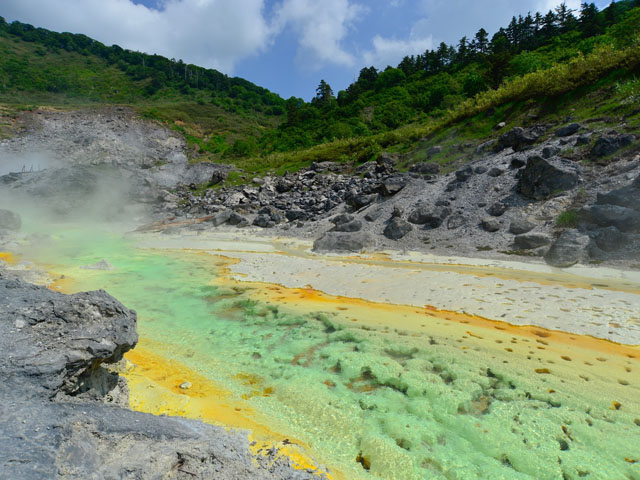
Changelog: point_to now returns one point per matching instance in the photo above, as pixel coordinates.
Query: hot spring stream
(369, 390)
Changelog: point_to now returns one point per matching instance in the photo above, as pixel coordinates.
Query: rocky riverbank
(60, 400)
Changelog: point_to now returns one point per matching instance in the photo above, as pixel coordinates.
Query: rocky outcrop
(542, 178)
(610, 144)
(54, 419)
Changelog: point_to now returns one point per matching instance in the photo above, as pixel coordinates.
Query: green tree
(324, 94)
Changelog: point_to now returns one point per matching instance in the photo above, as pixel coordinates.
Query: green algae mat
(365, 390)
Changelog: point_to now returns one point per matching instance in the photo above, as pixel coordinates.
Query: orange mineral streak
(8, 257)
(155, 387)
(430, 319)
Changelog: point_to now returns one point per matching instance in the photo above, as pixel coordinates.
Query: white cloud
(213, 33)
(321, 28)
(389, 51)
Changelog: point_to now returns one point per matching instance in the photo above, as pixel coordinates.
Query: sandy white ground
(606, 304)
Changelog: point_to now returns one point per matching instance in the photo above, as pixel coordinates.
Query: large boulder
(609, 239)
(9, 220)
(344, 242)
(623, 218)
(541, 179)
(569, 248)
(397, 228)
(518, 138)
(430, 217)
(392, 185)
(350, 226)
(519, 226)
(609, 144)
(628, 196)
(568, 130)
(529, 241)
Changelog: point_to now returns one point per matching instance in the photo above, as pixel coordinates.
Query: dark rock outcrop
(397, 228)
(610, 144)
(542, 179)
(430, 217)
(568, 130)
(518, 138)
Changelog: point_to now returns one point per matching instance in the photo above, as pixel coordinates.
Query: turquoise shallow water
(396, 402)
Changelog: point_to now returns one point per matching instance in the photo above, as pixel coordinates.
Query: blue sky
(287, 46)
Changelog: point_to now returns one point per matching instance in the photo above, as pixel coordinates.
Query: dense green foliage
(78, 67)
(429, 86)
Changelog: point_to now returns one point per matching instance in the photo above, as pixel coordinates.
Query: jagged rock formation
(54, 419)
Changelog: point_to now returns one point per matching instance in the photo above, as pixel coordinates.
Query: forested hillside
(538, 56)
(429, 85)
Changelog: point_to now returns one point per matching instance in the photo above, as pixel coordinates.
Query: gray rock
(352, 226)
(432, 218)
(296, 214)
(237, 220)
(529, 241)
(456, 221)
(497, 209)
(568, 130)
(342, 218)
(609, 239)
(9, 220)
(221, 218)
(397, 228)
(373, 214)
(518, 138)
(541, 179)
(609, 144)
(464, 174)
(495, 172)
(568, 249)
(519, 226)
(490, 225)
(359, 201)
(623, 218)
(582, 140)
(392, 185)
(628, 196)
(548, 152)
(264, 221)
(428, 168)
(344, 242)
